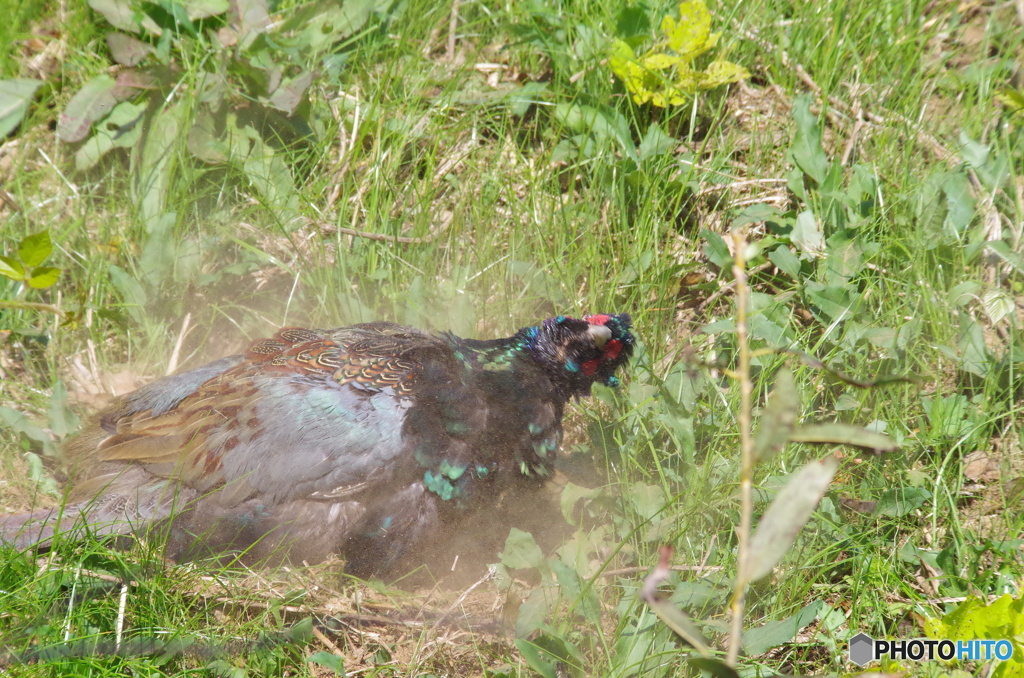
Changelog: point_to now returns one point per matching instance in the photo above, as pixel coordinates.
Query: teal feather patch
(439, 485)
(452, 471)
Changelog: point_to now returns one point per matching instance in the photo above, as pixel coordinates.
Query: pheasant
(366, 442)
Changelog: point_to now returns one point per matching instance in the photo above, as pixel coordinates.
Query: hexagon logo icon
(862, 649)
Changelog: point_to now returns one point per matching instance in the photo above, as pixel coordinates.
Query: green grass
(520, 207)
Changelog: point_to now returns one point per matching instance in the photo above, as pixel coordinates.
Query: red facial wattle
(611, 352)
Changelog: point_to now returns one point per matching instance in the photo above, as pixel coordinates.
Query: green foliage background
(476, 166)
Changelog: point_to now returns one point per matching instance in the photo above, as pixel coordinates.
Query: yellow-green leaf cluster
(1002, 619)
(665, 75)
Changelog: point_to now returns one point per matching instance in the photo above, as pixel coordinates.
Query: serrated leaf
(690, 36)
(11, 268)
(658, 61)
(785, 517)
(998, 304)
(43, 277)
(521, 551)
(35, 248)
(722, 72)
(15, 98)
(95, 100)
(843, 434)
(639, 81)
(778, 419)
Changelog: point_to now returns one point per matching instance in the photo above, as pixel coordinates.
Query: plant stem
(739, 271)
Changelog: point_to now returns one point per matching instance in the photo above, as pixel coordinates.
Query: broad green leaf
(655, 143)
(34, 249)
(680, 623)
(787, 262)
(715, 667)
(808, 235)
(606, 124)
(201, 9)
(1003, 251)
(328, 23)
(785, 517)
(775, 633)
(11, 268)
(532, 612)
(690, 36)
(900, 501)
(571, 495)
(15, 97)
(835, 302)
(19, 423)
(43, 277)
(521, 551)
(132, 293)
(270, 176)
(62, 419)
(576, 591)
(806, 149)
(998, 304)
(121, 14)
(778, 418)
(289, 94)
(95, 100)
(536, 659)
(974, 354)
(716, 249)
(329, 661)
(121, 129)
(960, 204)
(843, 434)
(756, 213)
(156, 162)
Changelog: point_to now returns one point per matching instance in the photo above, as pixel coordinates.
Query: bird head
(579, 351)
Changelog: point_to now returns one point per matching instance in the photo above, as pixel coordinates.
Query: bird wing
(307, 413)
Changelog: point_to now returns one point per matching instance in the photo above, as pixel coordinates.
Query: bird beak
(600, 334)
